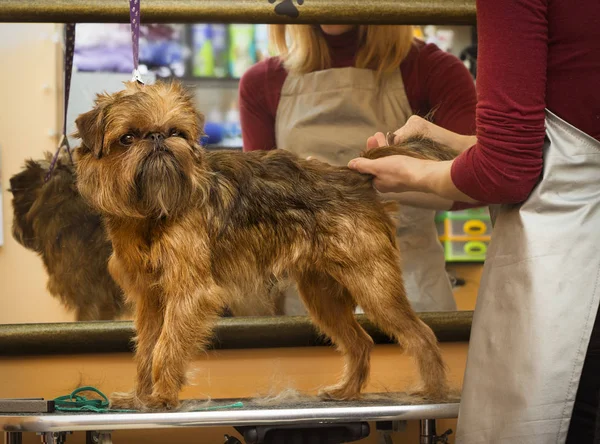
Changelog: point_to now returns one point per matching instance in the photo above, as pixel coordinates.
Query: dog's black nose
(156, 137)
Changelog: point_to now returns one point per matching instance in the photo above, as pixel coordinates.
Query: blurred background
(211, 58)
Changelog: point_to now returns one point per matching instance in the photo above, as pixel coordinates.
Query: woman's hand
(394, 174)
(401, 174)
(417, 126)
(405, 174)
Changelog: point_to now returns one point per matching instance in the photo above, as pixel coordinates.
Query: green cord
(79, 403)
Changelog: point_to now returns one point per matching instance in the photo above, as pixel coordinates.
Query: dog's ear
(30, 177)
(90, 129)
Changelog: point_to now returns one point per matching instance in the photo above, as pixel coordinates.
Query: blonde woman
(331, 87)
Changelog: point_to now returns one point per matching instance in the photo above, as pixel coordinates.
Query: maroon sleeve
(259, 92)
(450, 90)
(506, 162)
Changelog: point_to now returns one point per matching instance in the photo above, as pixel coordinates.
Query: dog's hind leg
(378, 288)
(332, 309)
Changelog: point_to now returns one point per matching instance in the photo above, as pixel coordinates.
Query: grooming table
(255, 418)
(388, 411)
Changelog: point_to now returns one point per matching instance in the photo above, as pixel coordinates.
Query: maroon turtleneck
(533, 55)
(433, 79)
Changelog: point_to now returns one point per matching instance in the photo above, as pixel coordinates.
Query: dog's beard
(163, 187)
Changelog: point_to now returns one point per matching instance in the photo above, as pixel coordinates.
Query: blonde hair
(303, 48)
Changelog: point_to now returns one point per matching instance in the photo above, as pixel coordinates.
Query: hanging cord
(78, 403)
(68, 67)
(134, 21)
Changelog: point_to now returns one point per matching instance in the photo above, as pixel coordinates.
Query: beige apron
(329, 115)
(537, 302)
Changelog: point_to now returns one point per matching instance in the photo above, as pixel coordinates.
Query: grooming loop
(68, 68)
(134, 21)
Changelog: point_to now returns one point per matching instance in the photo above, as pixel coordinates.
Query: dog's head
(139, 150)
(37, 203)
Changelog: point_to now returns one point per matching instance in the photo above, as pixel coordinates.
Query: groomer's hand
(415, 126)
(396, 174)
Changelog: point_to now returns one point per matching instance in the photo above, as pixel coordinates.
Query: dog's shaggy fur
(53, 220)
(194, 231)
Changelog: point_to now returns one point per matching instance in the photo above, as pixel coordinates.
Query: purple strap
(134, 21)
(134, 18)
(68, 67)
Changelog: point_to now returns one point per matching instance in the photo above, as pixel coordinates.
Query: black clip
(443, 438)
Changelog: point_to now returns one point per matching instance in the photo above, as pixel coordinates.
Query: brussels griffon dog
(194, 231)
(53, 220)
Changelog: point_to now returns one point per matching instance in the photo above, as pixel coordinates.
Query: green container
(472, 213)
(465, 251)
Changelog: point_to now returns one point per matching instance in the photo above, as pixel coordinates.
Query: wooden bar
(230, 333)
(410, 12)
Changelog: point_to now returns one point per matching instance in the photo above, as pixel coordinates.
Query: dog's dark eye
(175, 133)
(126, 140)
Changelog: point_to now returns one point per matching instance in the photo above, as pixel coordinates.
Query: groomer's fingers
(415, 125)
(372, 143)
(362, 165)
(377, 140)
(381, 139)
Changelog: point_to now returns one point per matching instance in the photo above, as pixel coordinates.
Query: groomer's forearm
(420, 200)
(437, 179)
(466, 142)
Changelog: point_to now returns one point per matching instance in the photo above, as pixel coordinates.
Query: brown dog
(54, 221)
(194, 231)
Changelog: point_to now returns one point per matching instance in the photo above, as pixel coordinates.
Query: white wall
(29, 119)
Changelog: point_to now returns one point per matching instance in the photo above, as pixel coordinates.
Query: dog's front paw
(161, 402)
(125, 401)
(339, 392)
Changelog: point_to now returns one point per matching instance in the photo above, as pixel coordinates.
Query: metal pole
(13, 437)
(409, 12)
(428, 433)
(54, 437)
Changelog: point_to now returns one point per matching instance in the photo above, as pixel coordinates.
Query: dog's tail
(419, 147)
